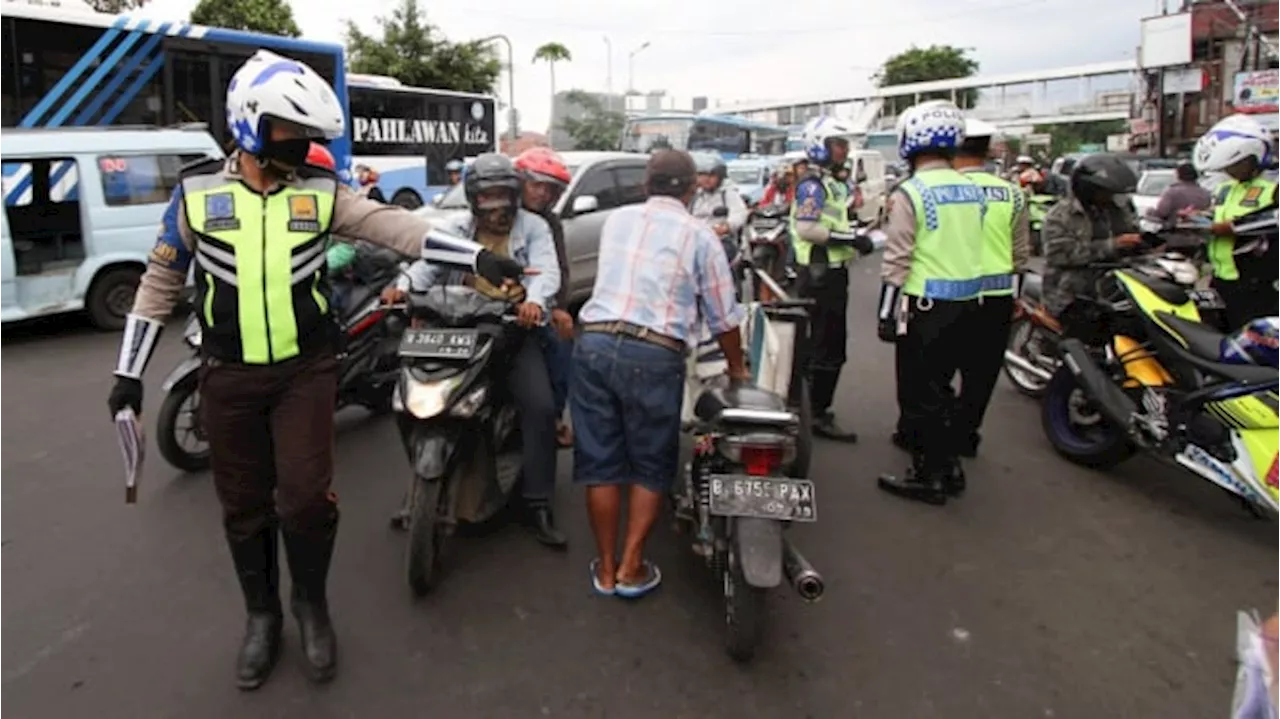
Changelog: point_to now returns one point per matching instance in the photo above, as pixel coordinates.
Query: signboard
(1118, 143)
(1090, 147)
(1037, 138)
(1166, 40)
(1255, 92)
(1183, 80)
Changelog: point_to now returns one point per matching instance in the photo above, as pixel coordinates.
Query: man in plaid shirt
(662, 273)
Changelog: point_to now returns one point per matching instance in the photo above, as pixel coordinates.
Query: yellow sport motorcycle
(1140, 371)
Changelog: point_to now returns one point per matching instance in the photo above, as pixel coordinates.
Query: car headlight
(425, 400)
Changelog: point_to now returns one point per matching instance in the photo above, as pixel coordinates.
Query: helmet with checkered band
(933, 126)
(271, 87)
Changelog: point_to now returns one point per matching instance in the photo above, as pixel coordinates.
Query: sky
(745, 49)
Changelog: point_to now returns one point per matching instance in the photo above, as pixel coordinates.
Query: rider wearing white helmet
(933, 278)
(1006, 249)
(1239, 146)
(256, 226)
(453, 168)
(825, 244)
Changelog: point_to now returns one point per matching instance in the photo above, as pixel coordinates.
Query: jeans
(528, 383)
(558, 354)
(625, 398)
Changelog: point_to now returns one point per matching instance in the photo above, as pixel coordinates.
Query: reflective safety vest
(947, 263)
(835, 217)
(262, 292)
(1005, 203)
(1235, 200)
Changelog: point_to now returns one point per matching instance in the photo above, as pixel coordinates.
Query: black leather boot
(309, 558)
(258, 569)
(920, 482)
(541, 521)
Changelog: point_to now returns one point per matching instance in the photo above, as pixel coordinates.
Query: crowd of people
(957, 243)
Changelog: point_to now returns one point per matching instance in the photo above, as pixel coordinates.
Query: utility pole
(1253, 33)
(608, 68)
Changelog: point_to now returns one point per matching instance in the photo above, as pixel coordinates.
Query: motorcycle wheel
(1076, 430)
(743, 612)
(1025, 335)
(183, 401)
(426, 536)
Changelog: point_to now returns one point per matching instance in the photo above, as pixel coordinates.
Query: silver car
(602, 182)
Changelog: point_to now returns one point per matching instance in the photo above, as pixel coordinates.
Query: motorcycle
(459, 426)
(367, 369)
(738, 495)
(767, 237)
(1141, 372)
(1031, 357)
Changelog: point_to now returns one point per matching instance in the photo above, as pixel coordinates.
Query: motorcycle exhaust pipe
(1027, 366)
(803, 577)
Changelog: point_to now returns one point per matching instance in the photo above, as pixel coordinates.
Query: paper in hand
(132, 448)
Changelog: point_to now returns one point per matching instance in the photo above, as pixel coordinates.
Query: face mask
(499, 220)
(285, 155)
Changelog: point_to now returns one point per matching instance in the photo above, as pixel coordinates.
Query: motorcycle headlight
(425, 400)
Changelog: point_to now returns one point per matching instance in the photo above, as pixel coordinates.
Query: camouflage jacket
(1071, 242)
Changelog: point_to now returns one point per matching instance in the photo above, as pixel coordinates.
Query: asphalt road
(1048, 591)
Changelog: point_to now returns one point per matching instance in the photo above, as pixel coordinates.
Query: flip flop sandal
(599, 589)
(653, 577)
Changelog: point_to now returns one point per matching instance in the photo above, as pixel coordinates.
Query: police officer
(256, 226)
(825, 244)
(1243, 275)
(1007, 247)
(932, 279)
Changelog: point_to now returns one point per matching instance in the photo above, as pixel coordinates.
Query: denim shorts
(625, 397)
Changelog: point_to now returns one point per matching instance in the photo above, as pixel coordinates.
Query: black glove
(887, 330)
(496, 268)
(126, 393)
(859, 241)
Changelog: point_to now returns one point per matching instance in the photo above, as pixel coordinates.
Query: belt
(636, 331)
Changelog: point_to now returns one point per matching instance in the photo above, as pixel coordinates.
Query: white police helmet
(936, 125)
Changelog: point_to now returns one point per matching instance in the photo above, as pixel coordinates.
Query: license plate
(438, 344)
(783, 498)
(1208, 299)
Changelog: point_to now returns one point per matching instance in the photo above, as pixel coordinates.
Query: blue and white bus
(64, 68)
(730, 136)
(406, 135)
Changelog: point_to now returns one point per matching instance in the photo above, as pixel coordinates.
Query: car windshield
(1154, 183)
(745, 175)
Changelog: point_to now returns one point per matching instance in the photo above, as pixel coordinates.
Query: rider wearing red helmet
(545, 179)
(319, 156)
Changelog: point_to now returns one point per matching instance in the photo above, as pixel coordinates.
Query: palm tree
(552, 53)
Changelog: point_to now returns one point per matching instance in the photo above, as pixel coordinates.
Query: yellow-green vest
(1236, 199)
(1005, 203)
(835, 217)
(262, 294)
(947, 263)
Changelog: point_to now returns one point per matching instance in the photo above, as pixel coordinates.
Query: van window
(140, 179)
(42, 206)
(631, 188)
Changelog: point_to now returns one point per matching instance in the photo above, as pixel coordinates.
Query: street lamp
(511, 82)
(608, 65)
(631, 66)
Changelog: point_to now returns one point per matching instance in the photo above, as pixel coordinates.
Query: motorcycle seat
(714, 400)
(1165, 290)
(1201, 345)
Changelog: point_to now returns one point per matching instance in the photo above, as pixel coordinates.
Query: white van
(870, 167)
(82, 207)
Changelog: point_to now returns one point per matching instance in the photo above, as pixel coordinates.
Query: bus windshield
(405, 135)
(642, 134)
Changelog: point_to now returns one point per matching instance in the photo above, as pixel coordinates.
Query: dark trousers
(558, 354)
(927, 359)
(828, 287)
(270, 432)
(981, 361)
(1246, 300)
(529, 384)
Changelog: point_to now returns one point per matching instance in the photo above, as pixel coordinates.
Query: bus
(77, 68)
(406, 135)
(727, 135)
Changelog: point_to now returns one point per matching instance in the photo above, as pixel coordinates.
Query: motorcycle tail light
(761, 454)
(761, 460)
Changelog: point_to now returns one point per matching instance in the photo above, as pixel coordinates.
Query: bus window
(42, 209)
(37, 54)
